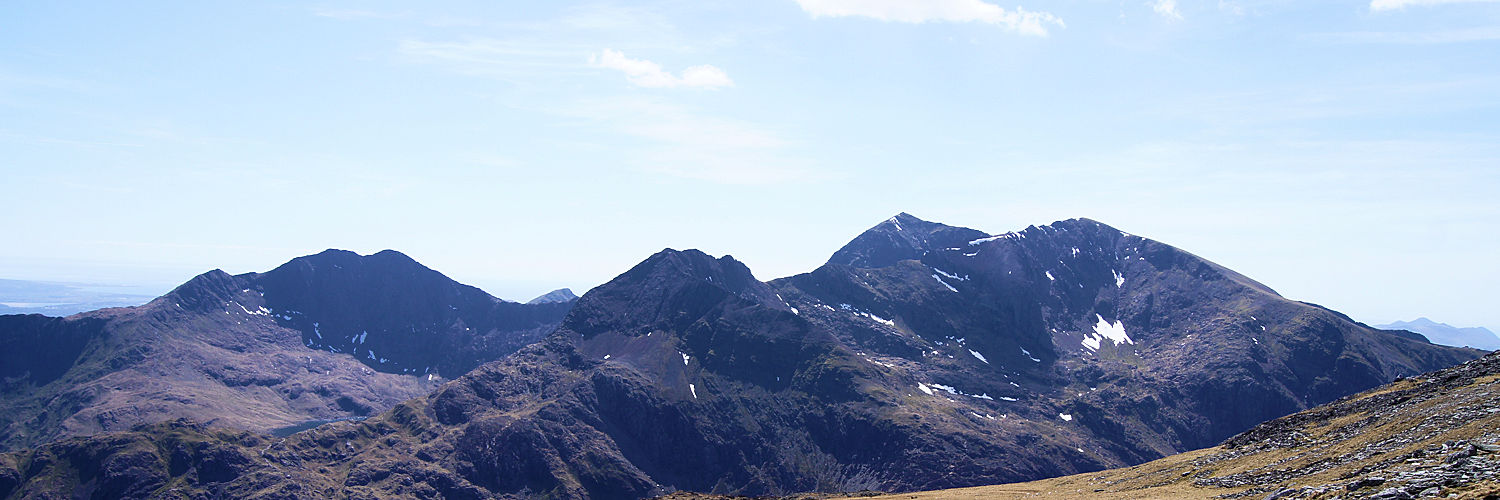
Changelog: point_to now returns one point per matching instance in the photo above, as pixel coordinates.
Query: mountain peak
(555, 296)
(899, 238)
(662, 287)
(205, 291)
(1446, 334)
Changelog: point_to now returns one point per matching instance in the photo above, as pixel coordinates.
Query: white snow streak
(940, 280)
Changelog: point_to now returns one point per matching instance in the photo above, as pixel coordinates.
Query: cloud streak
(927, 11)
(643, 73)
(1384, 5)
(680, 142)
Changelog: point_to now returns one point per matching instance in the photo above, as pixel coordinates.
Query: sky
(1345, 153)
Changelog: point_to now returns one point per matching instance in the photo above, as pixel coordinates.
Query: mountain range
(920, 356)
(1445, 334)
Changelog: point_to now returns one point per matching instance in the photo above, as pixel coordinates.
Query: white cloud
(1379, 5)
(924, 11)
(1167, 9)
(649, 74)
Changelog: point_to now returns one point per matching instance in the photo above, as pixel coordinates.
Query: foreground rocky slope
(940, 357)
(327, 336)
(1434, 435)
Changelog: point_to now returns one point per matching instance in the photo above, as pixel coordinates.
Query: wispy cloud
(504, 59)
(354, 14)
(1380, 5)
(645, 73)
(925, 11)
(1462, 35)
(680, 142)
(1167, 9)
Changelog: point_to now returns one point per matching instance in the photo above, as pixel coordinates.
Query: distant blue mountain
(1445, 334)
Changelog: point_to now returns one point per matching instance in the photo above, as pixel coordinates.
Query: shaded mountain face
(327, 336)
(1149, 349)
(1059, 349)
(395, 315)
(1445, 334)
(1430, 436)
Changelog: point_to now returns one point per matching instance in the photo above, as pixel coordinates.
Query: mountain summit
(325, 336)
(555, 296)
(900, 238)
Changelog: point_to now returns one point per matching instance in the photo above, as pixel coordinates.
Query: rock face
(921, 356)
(327, 336)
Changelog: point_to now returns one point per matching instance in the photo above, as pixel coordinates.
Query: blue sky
(1344, 153)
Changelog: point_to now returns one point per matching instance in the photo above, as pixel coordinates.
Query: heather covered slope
(327, 336)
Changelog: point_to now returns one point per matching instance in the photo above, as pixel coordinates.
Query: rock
(1391, 494)
(1366, 482)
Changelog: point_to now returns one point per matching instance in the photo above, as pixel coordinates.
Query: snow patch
(923, 387)
(1114, 332)
(1049, 276)
(950, 275)
(940, 280)
(693, 388)
(685, 358)
(1066, 417)
(606, 356)
(950, 389)
(1003, 398)
(361, 338)
(259, 311)
(979, 356)
(1119, 278)
(991, 238)
(879, 319)
(1028, 355)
